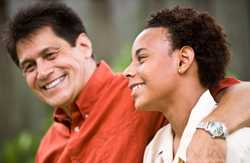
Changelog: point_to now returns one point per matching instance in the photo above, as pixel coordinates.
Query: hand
(205, 149)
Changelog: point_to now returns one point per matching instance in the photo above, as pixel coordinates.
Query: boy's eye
(141, 59)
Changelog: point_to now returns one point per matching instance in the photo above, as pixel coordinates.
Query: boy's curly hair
(188, 27)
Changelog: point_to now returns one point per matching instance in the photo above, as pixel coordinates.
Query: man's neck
(69, 109)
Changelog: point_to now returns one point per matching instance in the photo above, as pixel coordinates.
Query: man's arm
(233, 107)
(234, 111)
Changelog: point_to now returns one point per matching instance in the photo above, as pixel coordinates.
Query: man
(94, 115)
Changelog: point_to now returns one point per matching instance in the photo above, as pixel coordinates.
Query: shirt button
(76, 161)
(77, 129)
(86, 115)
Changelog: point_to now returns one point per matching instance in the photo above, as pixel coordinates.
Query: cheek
(145, 70)
(151, 72)
(69, 64)
(159, 80)
(30, 80)
(77, 72)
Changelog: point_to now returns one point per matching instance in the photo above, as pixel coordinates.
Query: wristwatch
(214, 128)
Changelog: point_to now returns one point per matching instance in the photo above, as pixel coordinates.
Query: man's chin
(143, 107)
(54, 103)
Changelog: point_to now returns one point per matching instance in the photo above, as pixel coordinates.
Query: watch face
(215, 128)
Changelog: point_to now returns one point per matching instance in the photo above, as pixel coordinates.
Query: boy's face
(53, 69)
(153, 70)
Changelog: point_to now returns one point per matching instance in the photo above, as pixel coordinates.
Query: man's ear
(186, 57)
(84, 44)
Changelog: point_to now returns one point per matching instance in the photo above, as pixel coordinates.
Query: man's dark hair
(188, 27)
(62, 19)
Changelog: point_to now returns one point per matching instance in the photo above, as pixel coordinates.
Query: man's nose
(44, 69)
(130, 71)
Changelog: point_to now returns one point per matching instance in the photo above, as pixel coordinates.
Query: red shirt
(104, 129)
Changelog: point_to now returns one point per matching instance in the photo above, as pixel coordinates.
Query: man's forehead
(38, 40)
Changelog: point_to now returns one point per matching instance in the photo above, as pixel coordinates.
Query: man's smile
(54, 83)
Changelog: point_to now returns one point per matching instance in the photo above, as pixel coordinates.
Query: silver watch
(214, 128)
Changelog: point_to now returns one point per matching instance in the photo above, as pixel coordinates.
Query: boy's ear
(186, 57)
(84, 44)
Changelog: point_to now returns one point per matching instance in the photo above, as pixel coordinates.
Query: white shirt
(160, 149)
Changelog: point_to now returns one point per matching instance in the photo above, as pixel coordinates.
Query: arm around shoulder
(233, 107)
(234, 111)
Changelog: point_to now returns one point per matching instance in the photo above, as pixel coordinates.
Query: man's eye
(28, 68)
(50, 56)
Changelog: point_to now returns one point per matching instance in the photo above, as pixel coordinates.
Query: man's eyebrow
(46, 50)
(22, 63)
(41, 53)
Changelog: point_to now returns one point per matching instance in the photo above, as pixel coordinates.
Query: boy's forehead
(150, 36)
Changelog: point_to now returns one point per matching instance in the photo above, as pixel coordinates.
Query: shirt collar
(89, 94)
(203, 107)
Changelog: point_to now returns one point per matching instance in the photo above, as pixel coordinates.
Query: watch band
(214, 128)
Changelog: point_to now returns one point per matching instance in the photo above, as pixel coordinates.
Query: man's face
(53, 69)
(153, 70)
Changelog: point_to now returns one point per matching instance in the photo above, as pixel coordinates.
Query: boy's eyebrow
(137, 52)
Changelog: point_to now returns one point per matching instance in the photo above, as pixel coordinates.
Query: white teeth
(54, 83)
(137, 86)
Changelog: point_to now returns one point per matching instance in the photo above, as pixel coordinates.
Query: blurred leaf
(233, 73)
(122, 60)
(21, 148)
(25, 141)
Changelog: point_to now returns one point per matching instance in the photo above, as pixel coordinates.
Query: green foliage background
(23, 147)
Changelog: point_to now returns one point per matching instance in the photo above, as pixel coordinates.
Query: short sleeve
(222, 84)
(238, 146)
